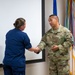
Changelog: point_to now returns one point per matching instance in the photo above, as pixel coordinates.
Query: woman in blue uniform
(16, 43)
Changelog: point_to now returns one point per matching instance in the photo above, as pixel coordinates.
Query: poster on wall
(33, 12)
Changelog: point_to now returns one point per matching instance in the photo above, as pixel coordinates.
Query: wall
(42, 67)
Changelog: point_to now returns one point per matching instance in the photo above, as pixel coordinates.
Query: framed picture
(34, 13)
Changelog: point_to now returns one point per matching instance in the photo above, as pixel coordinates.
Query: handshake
(37, 50)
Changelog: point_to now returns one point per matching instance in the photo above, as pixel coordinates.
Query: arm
(36, 50)
(28, 45)
(63, 48)
(41, 46)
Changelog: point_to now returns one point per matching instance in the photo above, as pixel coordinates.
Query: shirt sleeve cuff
(29, 46)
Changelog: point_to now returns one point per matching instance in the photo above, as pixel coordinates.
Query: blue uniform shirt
(16, 42)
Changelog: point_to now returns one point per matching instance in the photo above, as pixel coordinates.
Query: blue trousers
(9, 70)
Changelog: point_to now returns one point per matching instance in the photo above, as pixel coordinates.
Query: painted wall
(42, 67)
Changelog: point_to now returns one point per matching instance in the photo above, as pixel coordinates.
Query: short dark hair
(53, 15)
(19, 22)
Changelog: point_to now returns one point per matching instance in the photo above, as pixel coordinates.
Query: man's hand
(37, 50)
(55, 48)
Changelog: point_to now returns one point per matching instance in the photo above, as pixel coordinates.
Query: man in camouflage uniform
(57, 41)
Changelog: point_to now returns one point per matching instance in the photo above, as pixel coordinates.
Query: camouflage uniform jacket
(61, 37)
